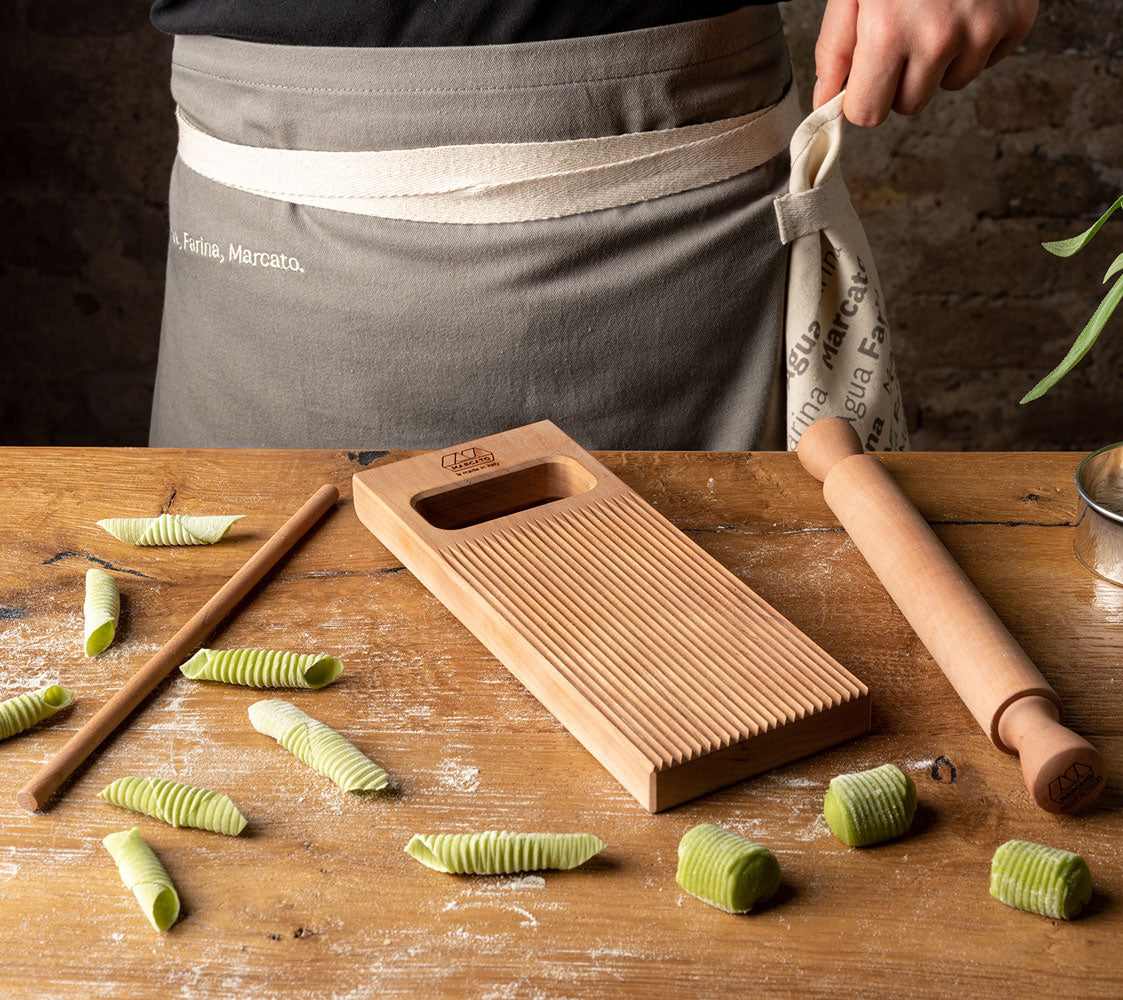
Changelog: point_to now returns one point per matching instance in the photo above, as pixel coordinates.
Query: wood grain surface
(317, 898)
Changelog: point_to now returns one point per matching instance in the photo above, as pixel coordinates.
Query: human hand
(896, 53)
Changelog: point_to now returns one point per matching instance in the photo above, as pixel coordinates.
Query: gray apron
(650, 325)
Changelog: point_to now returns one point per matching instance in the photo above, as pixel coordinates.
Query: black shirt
(423, 22)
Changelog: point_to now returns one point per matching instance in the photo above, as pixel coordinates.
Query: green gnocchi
(142, 872)
(263, 668)
(100, 612)
(319, 746)
(1040, 879)
(498, 852)
(726, 871)
(170, 529)
(25, 710)
(177, 804)
(868, 807)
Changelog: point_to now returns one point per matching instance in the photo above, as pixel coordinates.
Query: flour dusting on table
(453, 773)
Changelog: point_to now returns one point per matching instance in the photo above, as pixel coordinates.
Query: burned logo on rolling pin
(1074, 784)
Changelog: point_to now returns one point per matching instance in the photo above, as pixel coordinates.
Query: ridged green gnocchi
(724, 870)
(868, 807)
(263, 668)
(1043, 880)
(100, 611)
(142, 872)
(25, 710)
(177, 804)
(498, 852)
(170, 529)
(320, 747)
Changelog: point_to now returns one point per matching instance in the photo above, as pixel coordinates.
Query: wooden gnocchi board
(667, 668)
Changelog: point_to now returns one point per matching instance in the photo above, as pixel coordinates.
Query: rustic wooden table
(317, 899)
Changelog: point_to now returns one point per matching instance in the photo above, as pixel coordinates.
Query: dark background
(956, 203)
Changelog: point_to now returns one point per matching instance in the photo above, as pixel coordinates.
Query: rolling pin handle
(1062, 770)
(826, 443)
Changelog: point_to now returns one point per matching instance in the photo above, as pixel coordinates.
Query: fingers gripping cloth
(838, 357)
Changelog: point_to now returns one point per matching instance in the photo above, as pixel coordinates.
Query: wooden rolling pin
(1004, 691)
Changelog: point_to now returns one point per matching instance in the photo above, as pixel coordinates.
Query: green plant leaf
(1083, 343)
(1116, 267)
(1066, 248)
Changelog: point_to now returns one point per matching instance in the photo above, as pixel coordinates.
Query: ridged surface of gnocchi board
(666, 666)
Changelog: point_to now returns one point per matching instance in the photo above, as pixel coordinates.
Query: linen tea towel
(836, 338)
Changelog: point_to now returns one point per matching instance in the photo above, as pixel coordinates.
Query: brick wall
(956, 202)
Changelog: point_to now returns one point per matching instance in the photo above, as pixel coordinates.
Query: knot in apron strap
(800, 214)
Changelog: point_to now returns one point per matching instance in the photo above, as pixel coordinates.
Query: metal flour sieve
(1098, 541)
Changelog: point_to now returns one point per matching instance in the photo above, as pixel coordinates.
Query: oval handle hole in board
(462, 506)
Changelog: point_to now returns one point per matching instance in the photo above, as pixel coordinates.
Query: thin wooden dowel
(201, 624)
